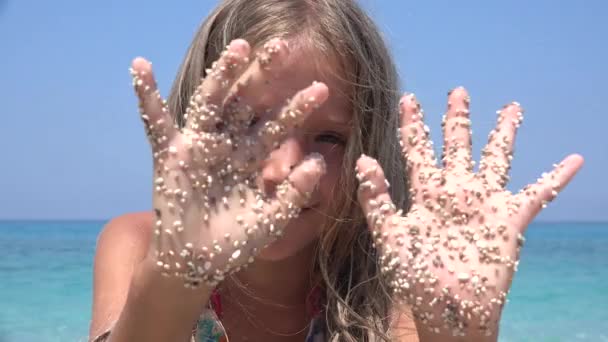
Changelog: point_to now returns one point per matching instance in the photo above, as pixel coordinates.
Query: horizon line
(107, 219)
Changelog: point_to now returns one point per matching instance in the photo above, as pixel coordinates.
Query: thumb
(295, 191)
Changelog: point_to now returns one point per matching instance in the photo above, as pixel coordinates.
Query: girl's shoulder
(134, 227)
(121, 245)
(138, 219)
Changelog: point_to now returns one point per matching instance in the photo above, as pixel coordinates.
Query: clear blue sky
(73, 145)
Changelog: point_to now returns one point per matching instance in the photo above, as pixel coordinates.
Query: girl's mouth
(309, 207)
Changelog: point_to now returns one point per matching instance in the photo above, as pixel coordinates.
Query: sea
(560, 292)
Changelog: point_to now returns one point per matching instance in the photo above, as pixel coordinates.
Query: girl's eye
(331, 138)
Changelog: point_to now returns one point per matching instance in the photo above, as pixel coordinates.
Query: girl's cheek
(333, 154)
(333, 161)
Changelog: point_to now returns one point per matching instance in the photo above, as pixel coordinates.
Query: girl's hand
(453, 255)
(211, 217)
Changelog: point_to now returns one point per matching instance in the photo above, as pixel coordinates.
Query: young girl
(270, 221)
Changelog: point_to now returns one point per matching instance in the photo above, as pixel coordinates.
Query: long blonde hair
(357, 303)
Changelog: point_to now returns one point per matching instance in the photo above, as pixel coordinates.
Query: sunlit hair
(357, 304)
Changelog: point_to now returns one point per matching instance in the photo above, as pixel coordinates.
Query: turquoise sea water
(560, 292)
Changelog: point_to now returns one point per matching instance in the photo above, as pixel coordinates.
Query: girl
(270, 221)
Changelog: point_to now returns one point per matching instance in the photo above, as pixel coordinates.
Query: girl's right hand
(211, 217)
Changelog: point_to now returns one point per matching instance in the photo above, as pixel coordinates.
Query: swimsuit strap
(216, 303)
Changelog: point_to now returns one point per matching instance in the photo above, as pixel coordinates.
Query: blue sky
(73, 145)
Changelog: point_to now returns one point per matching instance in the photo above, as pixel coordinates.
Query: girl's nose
(280, 162)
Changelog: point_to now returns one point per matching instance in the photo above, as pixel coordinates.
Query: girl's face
(325, 131)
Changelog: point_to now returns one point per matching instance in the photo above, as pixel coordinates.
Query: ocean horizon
(558, 294)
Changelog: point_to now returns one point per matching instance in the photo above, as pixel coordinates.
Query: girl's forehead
(299, 70)
(303, 66)
(315, 64)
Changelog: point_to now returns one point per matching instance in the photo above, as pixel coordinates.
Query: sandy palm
(452, 256)
(211, 217)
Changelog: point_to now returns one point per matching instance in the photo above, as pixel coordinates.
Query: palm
(212, 218)
(453, 255)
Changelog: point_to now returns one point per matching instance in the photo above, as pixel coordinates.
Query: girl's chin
(299, 234)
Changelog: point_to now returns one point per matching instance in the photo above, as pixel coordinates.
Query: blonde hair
(357, 301)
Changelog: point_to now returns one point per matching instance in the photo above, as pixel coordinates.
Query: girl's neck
(268, 300)
(285, 282)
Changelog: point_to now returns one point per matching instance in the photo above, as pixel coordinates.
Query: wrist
(148, 275)
(471, 332)
(425, 335)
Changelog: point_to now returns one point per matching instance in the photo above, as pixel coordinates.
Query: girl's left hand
(452, 256)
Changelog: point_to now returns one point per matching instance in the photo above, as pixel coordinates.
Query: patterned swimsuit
(209, 327)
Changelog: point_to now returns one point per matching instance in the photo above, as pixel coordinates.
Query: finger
(204, 112)
(415, 143)
(533, 198)
(295, 192)
(272, 132)
(252, 91)
(373, 193)
(158, 123)
(457, 133)
(497, 155)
